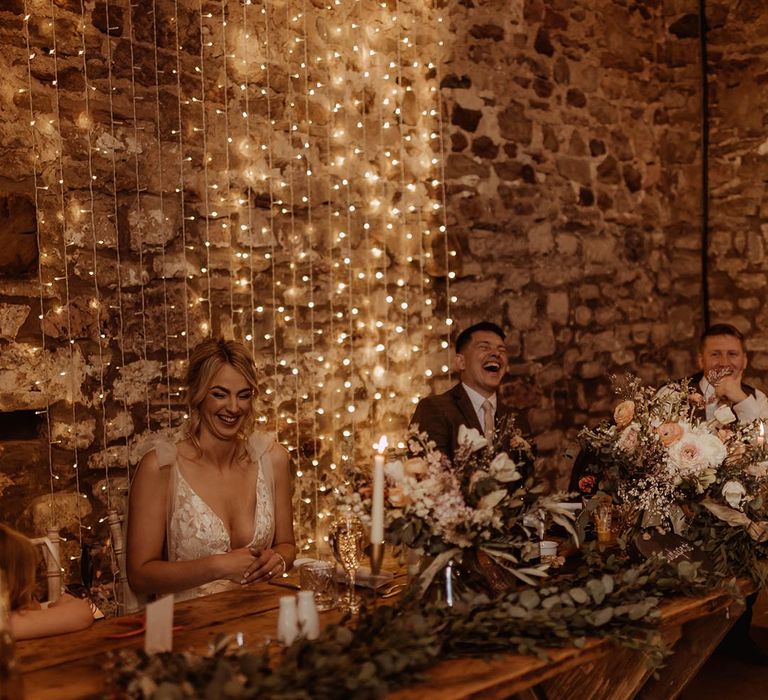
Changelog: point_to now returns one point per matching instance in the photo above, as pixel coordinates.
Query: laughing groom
(481, 360)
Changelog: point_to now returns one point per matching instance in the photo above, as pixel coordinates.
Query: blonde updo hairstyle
(206, 359)
(18, 563)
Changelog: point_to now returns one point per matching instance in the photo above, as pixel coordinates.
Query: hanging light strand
(52, 478)
(181, 188)
(139, 210)
(94, 272)
(248, 189)
(203, 129)
(65, 263)
(311, 369)
(118, 263)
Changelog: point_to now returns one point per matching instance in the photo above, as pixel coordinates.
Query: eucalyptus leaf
(579, 595)
(529, 599)
(602, 616)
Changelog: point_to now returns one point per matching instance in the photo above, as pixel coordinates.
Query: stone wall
(738, 67)
(574, 190)
(568, 133)
(262, 171)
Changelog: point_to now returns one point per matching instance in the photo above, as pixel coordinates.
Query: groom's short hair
(722, 329)
(466, 335)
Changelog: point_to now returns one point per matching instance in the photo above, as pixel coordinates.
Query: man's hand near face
(729, 388)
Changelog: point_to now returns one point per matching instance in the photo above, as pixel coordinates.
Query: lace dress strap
(163, 446)
(258, 446)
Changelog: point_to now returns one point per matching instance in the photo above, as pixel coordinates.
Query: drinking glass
(320, 578)
(603, 522)
(346, 536)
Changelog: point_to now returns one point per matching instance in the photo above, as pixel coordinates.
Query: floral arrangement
(658, 454)
(477, 509)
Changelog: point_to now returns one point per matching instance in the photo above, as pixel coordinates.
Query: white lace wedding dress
(194, 531)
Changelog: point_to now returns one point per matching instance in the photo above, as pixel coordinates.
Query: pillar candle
(377, 506)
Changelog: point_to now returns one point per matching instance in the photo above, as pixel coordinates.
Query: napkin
(159, 634)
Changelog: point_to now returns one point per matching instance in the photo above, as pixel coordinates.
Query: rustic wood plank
(72, 666)
(617, 675)
(698, 640)
(203, 613)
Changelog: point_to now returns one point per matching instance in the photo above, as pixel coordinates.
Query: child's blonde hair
(18, 562)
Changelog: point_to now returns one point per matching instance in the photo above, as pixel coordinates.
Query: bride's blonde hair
(205, 360)
(18, 562)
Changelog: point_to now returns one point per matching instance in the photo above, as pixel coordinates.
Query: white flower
(695, 452)
(471, 437)
(394, 471)
(724, 415)
(504, 469)
(733, 493)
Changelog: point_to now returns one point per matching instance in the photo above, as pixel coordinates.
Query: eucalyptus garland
(392, 646)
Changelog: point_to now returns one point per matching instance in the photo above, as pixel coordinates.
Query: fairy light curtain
(268, 171)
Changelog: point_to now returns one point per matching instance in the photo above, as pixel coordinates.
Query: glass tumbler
(320, 578)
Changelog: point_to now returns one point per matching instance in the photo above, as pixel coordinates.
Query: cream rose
(695, 452)
(623, 413)
(733, 493)
(669, 433)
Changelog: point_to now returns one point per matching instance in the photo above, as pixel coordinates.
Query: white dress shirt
(750, 409)
(478, 400)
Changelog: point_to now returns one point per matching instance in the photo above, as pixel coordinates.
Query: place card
(669, 545)
(159, 626)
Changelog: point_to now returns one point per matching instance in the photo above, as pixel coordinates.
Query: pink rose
(623, 413)
(669, 433)
(627, 440)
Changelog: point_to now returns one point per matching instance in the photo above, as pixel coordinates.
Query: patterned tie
(488, 420)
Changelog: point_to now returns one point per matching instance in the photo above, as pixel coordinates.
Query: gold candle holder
(377, 556)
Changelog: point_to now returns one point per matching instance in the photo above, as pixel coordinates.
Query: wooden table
(72, 666)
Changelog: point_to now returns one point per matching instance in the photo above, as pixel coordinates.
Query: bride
(212, 511)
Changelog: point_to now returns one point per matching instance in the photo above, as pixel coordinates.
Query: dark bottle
(11, 685)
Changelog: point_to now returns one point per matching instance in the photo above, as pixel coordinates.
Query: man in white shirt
(481, 360)
(722, 361)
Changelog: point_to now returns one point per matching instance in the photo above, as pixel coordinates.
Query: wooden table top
(71, 666)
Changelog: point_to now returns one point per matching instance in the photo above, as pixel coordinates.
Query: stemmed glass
(346, 536)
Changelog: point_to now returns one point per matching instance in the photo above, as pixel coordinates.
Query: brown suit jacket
(440, 416)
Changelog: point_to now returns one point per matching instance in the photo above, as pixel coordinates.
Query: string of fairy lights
(297, 150)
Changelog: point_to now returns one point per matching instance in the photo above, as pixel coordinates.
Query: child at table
(18, 563)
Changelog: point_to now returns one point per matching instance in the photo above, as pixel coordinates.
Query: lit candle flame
(381, 445)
